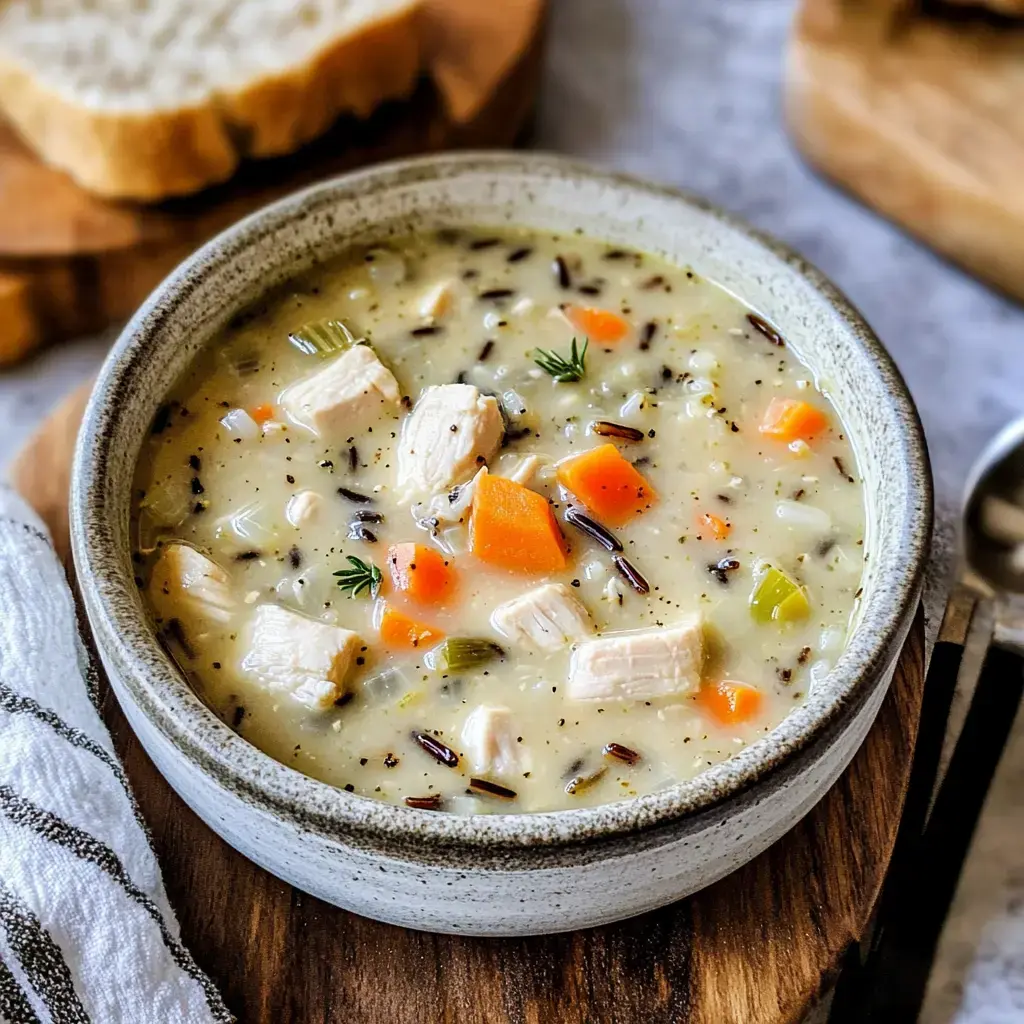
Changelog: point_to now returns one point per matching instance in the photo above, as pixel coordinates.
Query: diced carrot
(601, 326)
(262, 413)
(421, 573)
(400, 631)
(608, 484)
(514, 527)
(728, 702)
(788, 419)
(718, 528)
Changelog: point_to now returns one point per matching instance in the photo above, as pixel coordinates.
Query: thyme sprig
(565, 371)
(362, 576)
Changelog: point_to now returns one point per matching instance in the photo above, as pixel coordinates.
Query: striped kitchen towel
(86, 932)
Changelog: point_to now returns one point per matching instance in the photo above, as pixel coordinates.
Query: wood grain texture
(72, 263)
(760, 947)
(921, 115)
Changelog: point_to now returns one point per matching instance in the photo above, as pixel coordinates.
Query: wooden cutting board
(72, 263)
(763, 946)
(918, 109)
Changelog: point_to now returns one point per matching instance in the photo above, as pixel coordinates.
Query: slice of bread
(146, 99)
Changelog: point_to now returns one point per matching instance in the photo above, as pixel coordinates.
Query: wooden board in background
(72, 263)
(762, 946)
(918, 109)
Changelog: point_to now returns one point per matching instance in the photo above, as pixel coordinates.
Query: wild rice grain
(621, 753)
(561, 269)
(593, 529)
(631, 574)
(608, 429)
(436, 749)
(359, 499)
(424, 803)
(763, 327)
(647, 333)
(492, 789)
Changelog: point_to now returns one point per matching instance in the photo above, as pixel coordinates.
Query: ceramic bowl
(512, 874)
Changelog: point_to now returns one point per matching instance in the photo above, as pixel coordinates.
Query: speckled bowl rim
(163, 696)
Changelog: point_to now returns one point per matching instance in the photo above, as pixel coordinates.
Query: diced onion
(704, 362)
(832, 639)
(797, 515)
(513, 403)
(386, 268)
(168, 501)
(386, 687)
(249, 523)
(633, 405)
(241, 424)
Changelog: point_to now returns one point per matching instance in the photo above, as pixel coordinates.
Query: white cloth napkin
(86, 933)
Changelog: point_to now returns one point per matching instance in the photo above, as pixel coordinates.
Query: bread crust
(153, 155)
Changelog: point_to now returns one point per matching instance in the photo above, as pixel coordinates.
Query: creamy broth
(747, 526)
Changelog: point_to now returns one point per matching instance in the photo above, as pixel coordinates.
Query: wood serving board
(72, 263)
(918, 109)
(763, 946)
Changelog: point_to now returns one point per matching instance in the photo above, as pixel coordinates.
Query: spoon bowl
(993, 516)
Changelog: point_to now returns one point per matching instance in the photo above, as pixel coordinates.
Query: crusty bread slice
(146, 99)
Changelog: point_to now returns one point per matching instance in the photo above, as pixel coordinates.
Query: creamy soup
(500, 521)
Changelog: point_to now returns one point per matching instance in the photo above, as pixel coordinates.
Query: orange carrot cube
(729, 702)
(788, 419)
(402, 632)
(607, 483)
(601, 326)
(514, 527)
(421, 573)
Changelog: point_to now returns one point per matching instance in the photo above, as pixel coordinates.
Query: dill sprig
(362, 576)
(565, 371)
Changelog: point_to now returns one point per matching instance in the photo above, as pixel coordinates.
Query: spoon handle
(927, 864)
(954, 817)
(863, 985)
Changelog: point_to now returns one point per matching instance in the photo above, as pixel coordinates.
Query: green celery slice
(322, 338)
(460, 652)
(776, 598)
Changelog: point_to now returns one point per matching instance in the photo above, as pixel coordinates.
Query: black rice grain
(436, 749)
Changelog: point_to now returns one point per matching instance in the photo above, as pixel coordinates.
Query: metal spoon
(940, 814)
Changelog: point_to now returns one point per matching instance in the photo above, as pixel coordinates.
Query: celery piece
(776, 598)
(460, 652)
(793, 608)
(323, 338)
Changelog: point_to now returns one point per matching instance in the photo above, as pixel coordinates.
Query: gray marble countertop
(688, 92)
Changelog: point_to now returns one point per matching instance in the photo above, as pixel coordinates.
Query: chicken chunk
(304, 508)
(545, 618)
(310, 660)
(639, 666)
(489, 738)
(188, 586)
(339, 398)
(451, 433)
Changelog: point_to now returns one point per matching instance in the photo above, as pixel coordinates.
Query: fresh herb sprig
(565, 371)
(362, 576)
